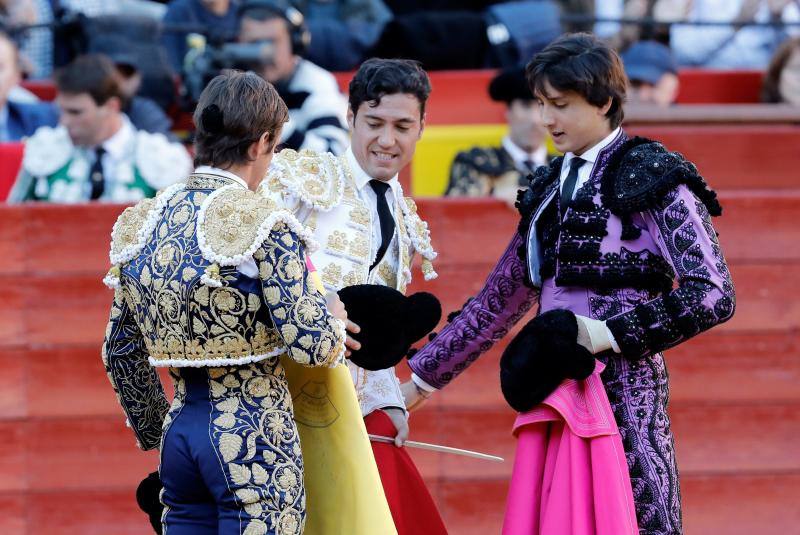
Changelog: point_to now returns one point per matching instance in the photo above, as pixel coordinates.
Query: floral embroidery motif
(313, 177)
(353, 278)
(359, 247)
(388, 274)
(254, 433)
(337, 241)
(359, 216)
(702, 300)
(332, 275)
(135, 382)
(227, 324)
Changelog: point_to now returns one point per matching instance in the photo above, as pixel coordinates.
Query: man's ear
(422, 125)
(264, 145)
(114, 104)
(607, 106)
(351, 118)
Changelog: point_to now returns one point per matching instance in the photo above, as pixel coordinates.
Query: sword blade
(441, 449)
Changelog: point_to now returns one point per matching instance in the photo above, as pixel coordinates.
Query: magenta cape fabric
(570, 475)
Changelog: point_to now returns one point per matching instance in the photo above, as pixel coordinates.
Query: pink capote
(570, 476)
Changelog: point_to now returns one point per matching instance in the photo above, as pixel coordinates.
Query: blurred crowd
(122, 69)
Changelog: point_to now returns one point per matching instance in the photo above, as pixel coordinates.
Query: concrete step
(716, 367)
(99, 451)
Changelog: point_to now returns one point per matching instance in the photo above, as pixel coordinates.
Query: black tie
(528, 167)
(569, 183)
(385, 218)
(96, 173)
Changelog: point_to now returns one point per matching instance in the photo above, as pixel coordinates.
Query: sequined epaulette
(420, 237)
(132, 230)
(233, 222)
(642, 171)
(315, 178)
(488, 160)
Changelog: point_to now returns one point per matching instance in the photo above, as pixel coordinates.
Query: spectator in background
(500, 171)
(95, 153)
(782, 80)
(94, 8)
(737, 46)
(36, 45)
(661, 12)
(217, 17)
(18, 119)
(652, 74)
(342, 30)
(317, 109)
(143, 112)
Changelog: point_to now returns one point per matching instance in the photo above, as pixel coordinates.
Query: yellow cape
(344, 494)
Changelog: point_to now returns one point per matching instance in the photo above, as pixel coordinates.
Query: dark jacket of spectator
(22, 119)
(193, 12)
(146, 115)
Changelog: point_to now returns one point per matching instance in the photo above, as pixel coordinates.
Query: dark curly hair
(233, 112)
(581, 63)
(379, 77)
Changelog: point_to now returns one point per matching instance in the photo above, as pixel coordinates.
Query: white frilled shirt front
(332, 196)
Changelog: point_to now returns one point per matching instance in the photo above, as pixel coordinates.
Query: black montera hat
(390, 322)
(510, 85)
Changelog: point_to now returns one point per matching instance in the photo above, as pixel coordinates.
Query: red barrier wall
(68, 464)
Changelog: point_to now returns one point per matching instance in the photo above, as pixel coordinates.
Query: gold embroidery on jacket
(337, 241)
(332, 275)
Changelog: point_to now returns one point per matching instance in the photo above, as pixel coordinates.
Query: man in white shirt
(95, 153)
(501, 171)
(368, 233)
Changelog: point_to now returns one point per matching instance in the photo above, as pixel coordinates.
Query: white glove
(399, 418)
(593, 334)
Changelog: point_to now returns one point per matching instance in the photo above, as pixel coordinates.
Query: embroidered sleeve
(312, 336)
(135, 381)
(503, 301)
(705, 295)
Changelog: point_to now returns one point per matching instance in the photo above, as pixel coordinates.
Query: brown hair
(94, 74)
(378, 77)
(233, 112)
(581, 63)
(770, 88)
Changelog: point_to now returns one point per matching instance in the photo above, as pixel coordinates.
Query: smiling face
(384, 137)
(574, 124)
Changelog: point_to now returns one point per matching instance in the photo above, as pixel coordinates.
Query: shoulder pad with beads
(233, 222)
(315, 178)
(642, 171)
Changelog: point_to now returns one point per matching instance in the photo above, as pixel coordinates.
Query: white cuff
(422, 384)
(613, 341)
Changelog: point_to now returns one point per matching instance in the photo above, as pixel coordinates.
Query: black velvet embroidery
(682, 313)
(640, 173)
(528, 200)
(636, 175)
